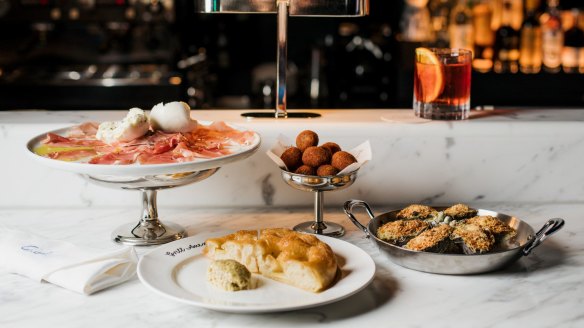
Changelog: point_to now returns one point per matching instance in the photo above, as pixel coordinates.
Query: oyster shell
(400, 232)
(460, 212)
(417, 211)
(505, 236)
(473, 239)
(434, 240)
(492, 224)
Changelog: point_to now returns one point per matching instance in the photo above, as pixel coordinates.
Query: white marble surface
(545, 289)
(510, 155)
(526, 163)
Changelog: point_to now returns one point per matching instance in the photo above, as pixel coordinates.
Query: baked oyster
(455, 230)
(505, 236)
(473, 239)
(400, 232)
(493, 225)
(460, 212)
(416, 211)
(435, 240)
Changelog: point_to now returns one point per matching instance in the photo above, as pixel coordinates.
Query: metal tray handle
(348, 208)
(548, 229)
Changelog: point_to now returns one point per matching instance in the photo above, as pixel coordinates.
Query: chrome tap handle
(281, 64)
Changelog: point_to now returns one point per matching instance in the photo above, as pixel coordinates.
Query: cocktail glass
(442, 83)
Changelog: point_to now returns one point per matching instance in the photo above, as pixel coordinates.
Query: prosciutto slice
(156, 147)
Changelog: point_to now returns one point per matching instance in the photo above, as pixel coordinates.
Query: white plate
(178, 270)
(137, 169)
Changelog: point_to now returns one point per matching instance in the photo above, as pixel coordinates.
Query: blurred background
(117, 54)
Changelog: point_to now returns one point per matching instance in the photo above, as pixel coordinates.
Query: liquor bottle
(483, 36)
(415, 22)
(573, 52)
(460, 27)
(506, 43)
(497, 7)
(552, 37)
(530, 50)
(516, 14)
(439, 13)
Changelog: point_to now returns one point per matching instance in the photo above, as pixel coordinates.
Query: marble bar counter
(544, 289)
(499, 155)
(527, 163)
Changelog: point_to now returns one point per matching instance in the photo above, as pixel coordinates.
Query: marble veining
(545, 289)
(523, 156)
(521, 162)
(268, 190)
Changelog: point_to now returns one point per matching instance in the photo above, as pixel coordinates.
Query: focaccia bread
(297, 259)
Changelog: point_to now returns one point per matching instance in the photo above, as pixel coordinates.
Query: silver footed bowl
(318, 185)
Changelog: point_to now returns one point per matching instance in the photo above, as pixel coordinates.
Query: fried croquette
(333, 147)
(416, 211)
(329, 154)
(326, 170)
(292, 157)
(342, 159)
(306, 139)
(460, 211)
(315, 156)
(306, 170)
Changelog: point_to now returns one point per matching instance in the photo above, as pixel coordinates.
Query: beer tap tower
(283, 9)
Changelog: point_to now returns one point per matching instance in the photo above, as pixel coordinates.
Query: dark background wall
(104, 59)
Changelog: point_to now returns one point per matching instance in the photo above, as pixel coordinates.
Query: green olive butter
(229, 275)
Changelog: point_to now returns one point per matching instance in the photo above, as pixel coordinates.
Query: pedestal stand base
(148, 233)
(321, 228)
(273, 115)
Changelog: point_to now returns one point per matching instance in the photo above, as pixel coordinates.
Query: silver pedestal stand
(149, 230)
(319, 185)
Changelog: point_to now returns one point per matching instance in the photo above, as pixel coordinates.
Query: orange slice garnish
(430, 76)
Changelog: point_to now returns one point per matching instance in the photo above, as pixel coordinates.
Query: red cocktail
(442, 83)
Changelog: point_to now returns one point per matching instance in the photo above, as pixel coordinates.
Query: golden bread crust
(294, 258)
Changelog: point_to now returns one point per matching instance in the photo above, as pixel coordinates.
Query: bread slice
(297, 259)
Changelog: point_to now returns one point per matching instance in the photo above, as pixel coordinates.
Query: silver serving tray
(527, 239)
(148, 179)
(136, 170)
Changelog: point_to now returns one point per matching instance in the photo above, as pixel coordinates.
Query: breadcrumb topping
(416, 211)
(492, 224)
(395, 230)
(475, 239)
(430, 238)
(460, 211)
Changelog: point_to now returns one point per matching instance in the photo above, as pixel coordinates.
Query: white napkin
(80, 269)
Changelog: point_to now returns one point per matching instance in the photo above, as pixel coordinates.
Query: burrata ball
(172, 117)
(133, 126)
